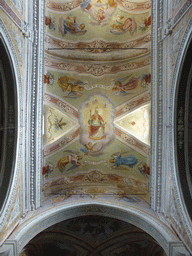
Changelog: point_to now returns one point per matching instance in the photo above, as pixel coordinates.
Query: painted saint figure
(130, 161)
(101, 11)
(96, 126)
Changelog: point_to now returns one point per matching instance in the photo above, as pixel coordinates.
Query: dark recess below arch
(8, 121)
(184, 129)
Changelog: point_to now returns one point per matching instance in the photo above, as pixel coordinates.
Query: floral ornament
(50, 22)
(145, 23)
(58, 124)
(144, 169)
(46, 170)
(146, 80)
(49, 78)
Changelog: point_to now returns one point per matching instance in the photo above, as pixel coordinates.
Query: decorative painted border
(7, 9)
(128, 5)
(132, 6)
(97, 69)
(182, 11)
(12, 190)
(130, 140)
(63, 106)
(97, 44)
(93, 176)
(63, 142)
(133, 104)
(63, 7)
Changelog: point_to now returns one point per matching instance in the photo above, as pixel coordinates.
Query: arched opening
(149, 224)
(8, 121)
(93, 235)
(183, 128)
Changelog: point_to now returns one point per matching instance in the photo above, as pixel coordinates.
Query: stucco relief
(19, 41)
(18, 5)
(176, 37)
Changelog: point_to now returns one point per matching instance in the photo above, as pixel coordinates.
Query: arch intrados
(151, 225)
(11, 54)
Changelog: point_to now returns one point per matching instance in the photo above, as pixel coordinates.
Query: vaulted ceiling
(97, 82)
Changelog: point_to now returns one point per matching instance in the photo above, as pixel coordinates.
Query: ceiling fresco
(97, 82)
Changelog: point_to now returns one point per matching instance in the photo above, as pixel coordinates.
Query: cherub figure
(87, 148)
(121, 87)
(100, 15)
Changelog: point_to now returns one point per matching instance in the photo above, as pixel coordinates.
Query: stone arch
(181, 203)
(17, 91)
(149, 223)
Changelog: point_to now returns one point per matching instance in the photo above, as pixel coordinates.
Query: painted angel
(72, 158)
(122, 85)
(118, 160)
